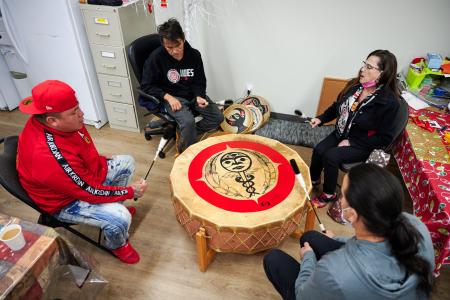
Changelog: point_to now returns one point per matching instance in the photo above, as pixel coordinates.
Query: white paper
(414, 101)
(108, 54)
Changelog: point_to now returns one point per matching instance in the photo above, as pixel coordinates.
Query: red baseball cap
(49, 96)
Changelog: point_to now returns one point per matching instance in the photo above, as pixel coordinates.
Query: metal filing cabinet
(110, 31)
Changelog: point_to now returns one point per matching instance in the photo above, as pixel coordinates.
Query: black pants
(327, 156)
(282, 270)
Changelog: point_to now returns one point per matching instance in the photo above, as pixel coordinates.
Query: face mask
(346, 222)
(369, 84)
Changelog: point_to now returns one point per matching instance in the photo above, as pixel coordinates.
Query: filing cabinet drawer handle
(115, 94)
(119, 110)
(103, 34)
(122, 120)
(108, 66)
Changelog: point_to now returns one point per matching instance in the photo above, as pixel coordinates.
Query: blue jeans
(113, 218)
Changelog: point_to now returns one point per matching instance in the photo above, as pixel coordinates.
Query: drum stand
(309, 222)
(206, 255)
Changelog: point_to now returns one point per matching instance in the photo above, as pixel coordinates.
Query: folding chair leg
(100, 231)
(79, 234)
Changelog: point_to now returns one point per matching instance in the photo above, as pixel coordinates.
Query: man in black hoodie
(174, 72)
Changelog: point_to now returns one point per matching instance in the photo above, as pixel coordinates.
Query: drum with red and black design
(257, 118)
(237, 119)
(259, 102)
(241, 189)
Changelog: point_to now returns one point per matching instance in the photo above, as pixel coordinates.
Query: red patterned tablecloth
(424, 163)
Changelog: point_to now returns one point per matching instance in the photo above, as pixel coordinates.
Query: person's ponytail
(377, 197)
(405, 240)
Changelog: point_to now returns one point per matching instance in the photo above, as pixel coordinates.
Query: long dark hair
(377, 196)
(388, 77)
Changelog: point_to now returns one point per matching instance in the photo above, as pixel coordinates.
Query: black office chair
(400, 124)
(10, 181)
(138, 52)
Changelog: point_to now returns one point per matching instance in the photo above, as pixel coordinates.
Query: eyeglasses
(369, 66)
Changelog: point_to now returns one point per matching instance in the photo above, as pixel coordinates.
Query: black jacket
(373, 125)
(164, 74)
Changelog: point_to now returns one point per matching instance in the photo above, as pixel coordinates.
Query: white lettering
(187, 72)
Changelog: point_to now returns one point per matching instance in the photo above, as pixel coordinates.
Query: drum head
(257, 117)
(260, 103)
(241, 189)
(237, 179)
(237, 119)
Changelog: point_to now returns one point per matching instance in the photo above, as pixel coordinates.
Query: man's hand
(139, 188)
(329, 233)
(202, 102)
(315, 122)
(173, 102)
(344, 143)
(306, 247)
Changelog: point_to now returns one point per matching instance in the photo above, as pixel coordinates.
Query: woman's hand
(306, 247)
(344, 143)
(315, 122)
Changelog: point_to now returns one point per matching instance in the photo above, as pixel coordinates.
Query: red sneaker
(127, 254)
(322, 200)
(132, 210)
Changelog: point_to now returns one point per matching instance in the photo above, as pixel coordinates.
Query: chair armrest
(148, 97)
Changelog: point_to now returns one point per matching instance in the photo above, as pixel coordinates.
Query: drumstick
(162, 143)
(300, 179)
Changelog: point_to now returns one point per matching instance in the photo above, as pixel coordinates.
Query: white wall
(285, 48)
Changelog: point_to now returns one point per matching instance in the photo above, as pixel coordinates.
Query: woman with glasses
(390, 256)
(365, 115)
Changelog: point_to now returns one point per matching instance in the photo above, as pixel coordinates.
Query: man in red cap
(63, 173)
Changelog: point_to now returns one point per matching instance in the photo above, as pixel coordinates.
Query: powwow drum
(260, 103)
(257, 118)
(240, 190)
(237, 119)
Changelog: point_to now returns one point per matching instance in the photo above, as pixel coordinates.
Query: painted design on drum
(255, 102)
(257, 117)
(241, 176)
(254, 172)
(237, 119)
(240, 162)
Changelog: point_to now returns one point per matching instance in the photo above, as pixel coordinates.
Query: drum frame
(204, 231)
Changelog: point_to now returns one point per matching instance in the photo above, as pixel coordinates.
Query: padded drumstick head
(294, 166)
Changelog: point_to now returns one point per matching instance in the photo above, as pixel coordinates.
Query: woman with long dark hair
(365, 114)
(390, 257)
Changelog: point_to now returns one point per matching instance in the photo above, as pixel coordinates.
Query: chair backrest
(8, 173)
(401, 120)
(139, 50)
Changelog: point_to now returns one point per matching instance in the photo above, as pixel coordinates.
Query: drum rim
(258, 125)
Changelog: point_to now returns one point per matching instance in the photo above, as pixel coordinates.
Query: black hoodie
(164, 74)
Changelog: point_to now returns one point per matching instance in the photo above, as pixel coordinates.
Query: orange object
(446, 68)
(447, 137)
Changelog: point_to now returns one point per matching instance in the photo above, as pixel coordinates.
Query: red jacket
(56, 168)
